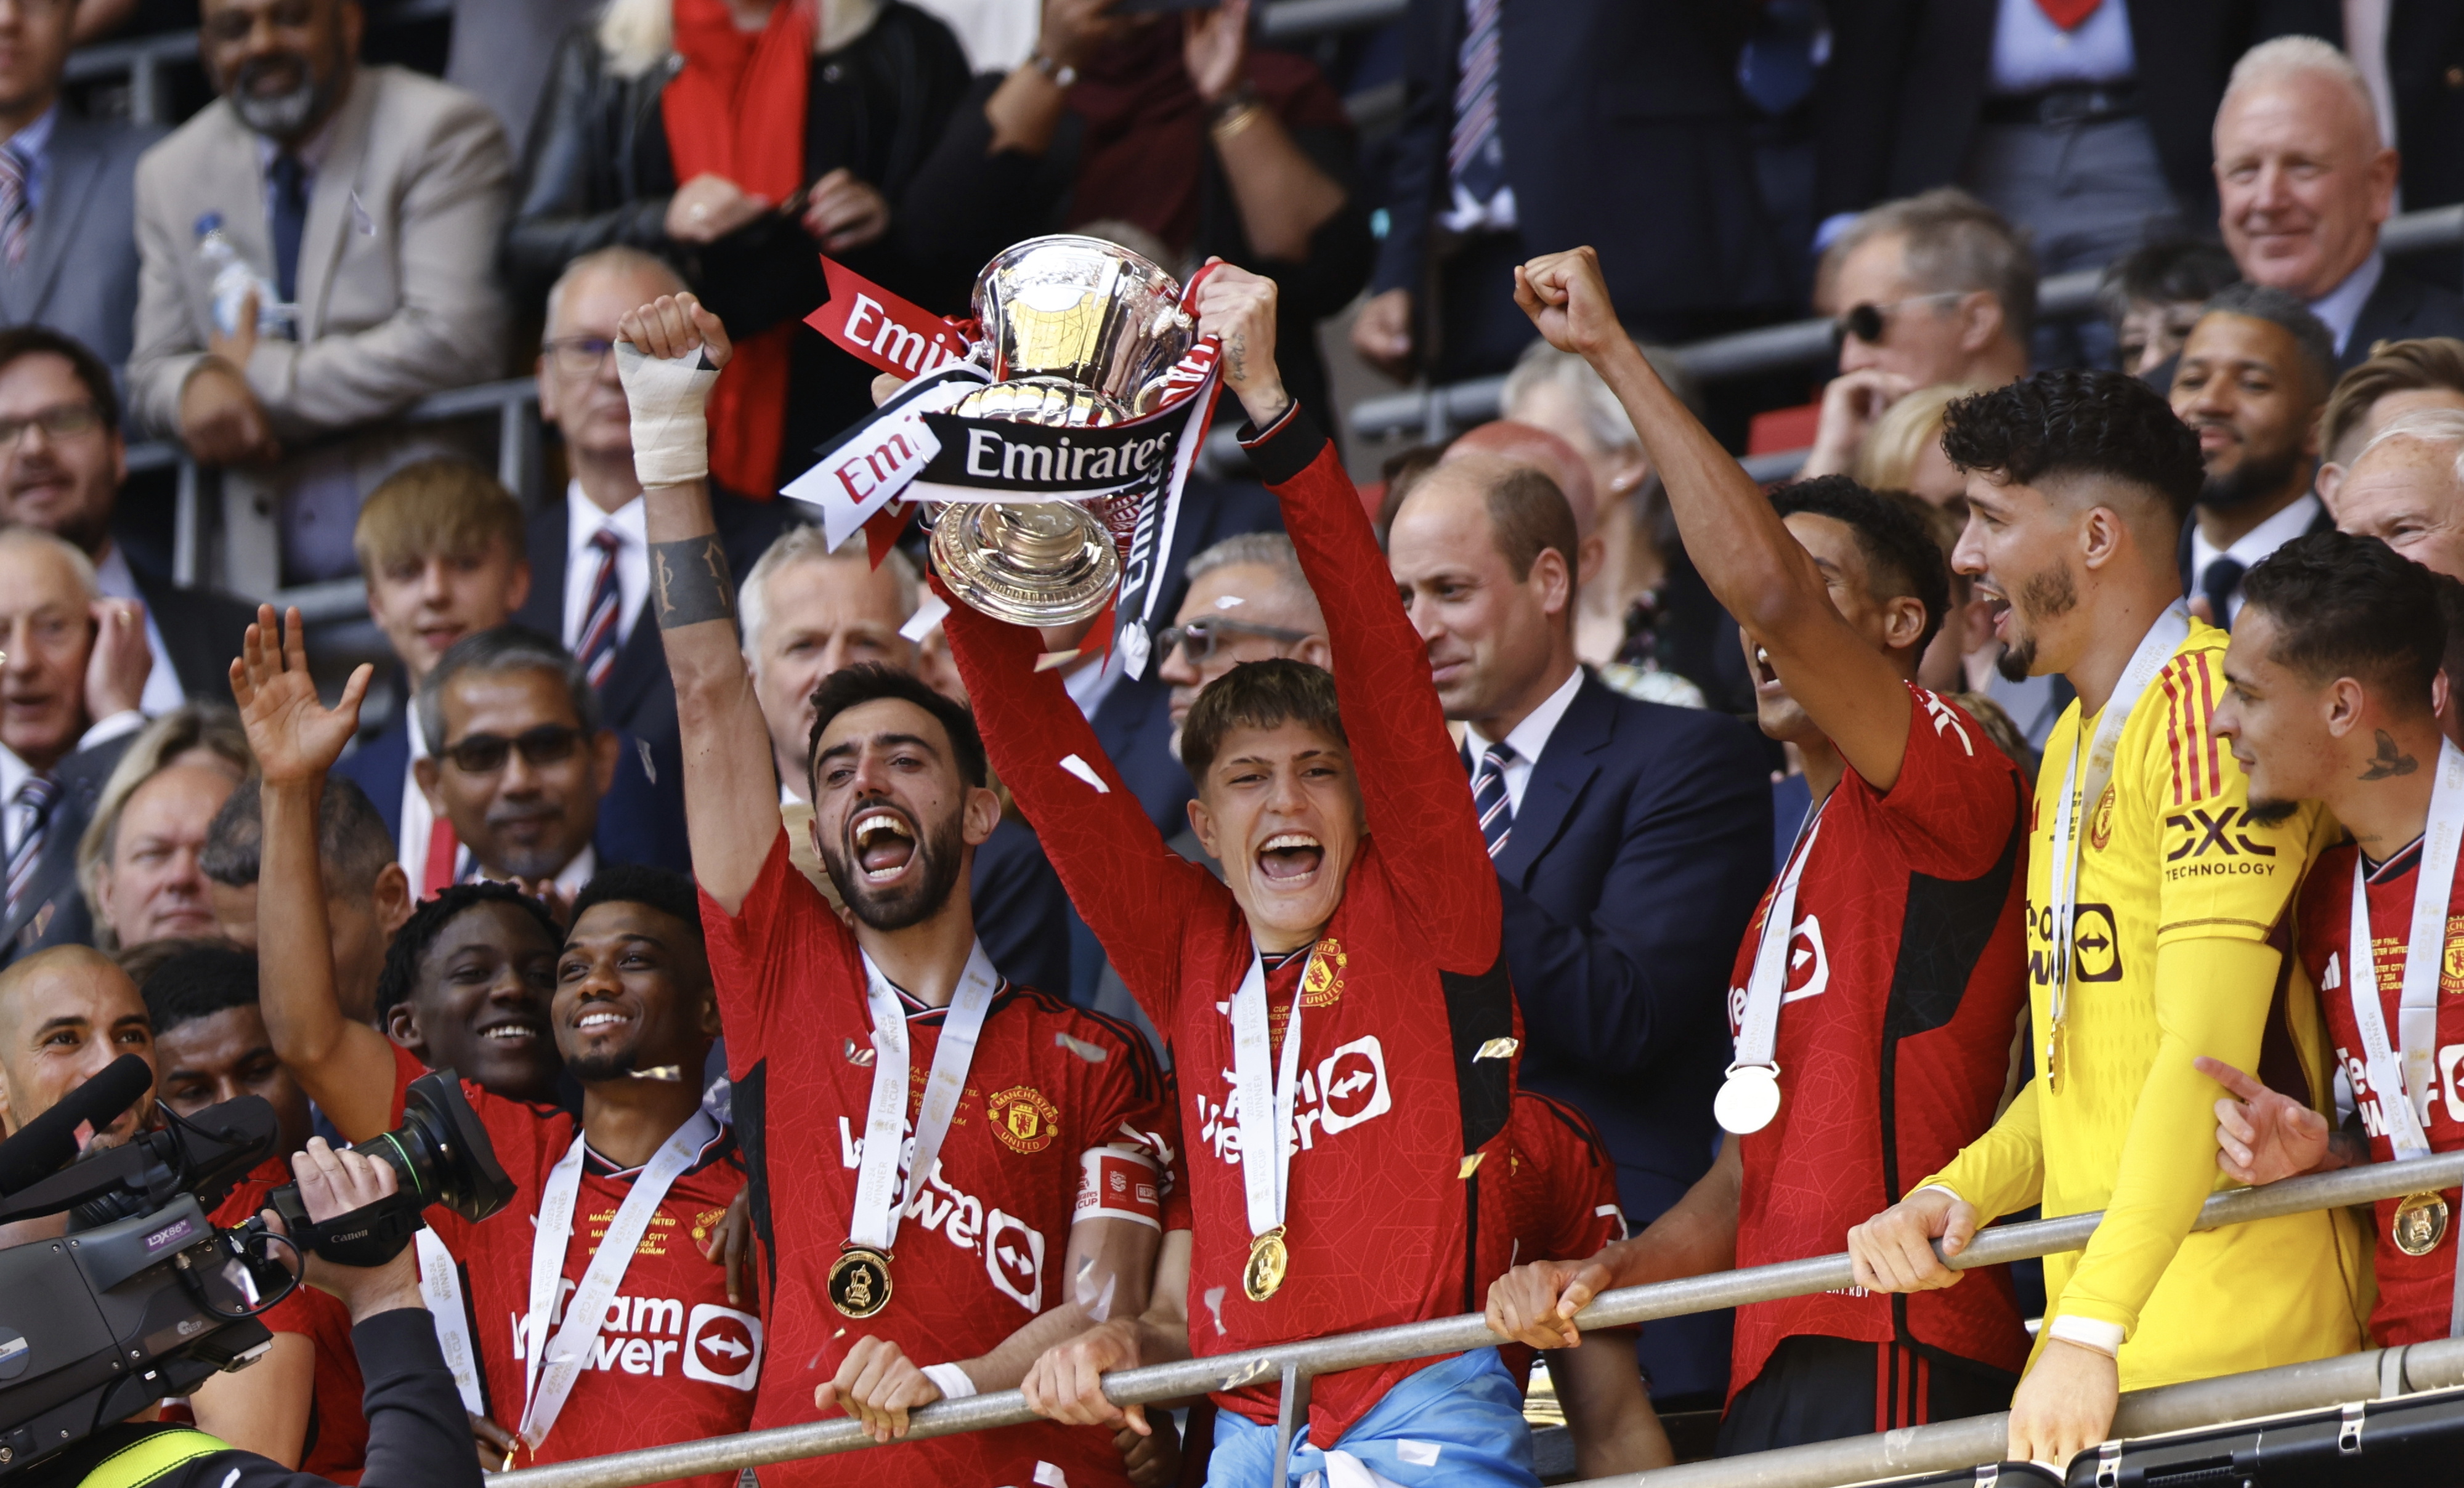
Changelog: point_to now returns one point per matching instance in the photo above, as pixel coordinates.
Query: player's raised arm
(346, 1067)
(1413, 788)
(1757, 570)
(670, 353)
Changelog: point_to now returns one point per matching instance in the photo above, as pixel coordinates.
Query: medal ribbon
(2155, 649)
(1266, 1137)
(1767, 985)
(551, 1366)
(440, 1287)
(2401, 1076)
(878, 1202)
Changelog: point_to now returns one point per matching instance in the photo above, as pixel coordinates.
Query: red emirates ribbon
(884, 331)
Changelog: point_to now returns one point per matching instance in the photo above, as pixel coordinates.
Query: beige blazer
(398, 296)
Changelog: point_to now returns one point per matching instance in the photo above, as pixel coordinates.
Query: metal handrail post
(1292, 1413)
(1993, 1245)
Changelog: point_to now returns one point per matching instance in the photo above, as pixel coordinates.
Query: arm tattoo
(2389, 762)
(691, 580)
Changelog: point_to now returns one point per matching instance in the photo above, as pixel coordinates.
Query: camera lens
(441, 1151)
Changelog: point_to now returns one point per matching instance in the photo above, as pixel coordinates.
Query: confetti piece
(1225, 602)
(1051, 659)
(1498, 1049)
(928, 614)
(1470, 1162)
(1091, 1052)
(1084, 772)
(672, 1074)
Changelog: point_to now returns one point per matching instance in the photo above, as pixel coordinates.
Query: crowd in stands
(1677, 874)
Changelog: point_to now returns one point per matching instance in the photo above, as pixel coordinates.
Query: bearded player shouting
(1343, 986)
(857, 1049)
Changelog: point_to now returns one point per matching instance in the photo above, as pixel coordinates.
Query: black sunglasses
(1869, 322)
(1206, 633)
(484, 754)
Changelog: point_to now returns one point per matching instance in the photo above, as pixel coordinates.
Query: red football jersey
(1906, 984)
(978, 1253)
(336, 1444)
(1409, 1023)
(2415, 1291)
(1549, 1194)
(674, 1362)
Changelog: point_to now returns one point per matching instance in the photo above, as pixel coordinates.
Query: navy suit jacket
(1642, 847)
(2400, 308)
(640, 821)
(53, 910)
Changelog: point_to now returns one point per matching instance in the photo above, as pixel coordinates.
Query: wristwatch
(1235, 111)
(1062, 74)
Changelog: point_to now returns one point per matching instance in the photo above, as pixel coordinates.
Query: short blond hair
(1887, 460)
(2291, 56)
(806, 543)
(435, 506)
(213, 729)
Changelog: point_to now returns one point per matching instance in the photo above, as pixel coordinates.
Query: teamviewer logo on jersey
(723, 1346)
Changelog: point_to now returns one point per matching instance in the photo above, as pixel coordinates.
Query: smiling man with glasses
(1936, 288)
(518, 760)
(1247, 601)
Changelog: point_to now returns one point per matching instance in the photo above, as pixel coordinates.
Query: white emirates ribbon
(2403, 1081)
(878, 1202)
(440, 1287)
(550, 1367)
(1749, 1098)
(1266, 1136)
(2155, 649)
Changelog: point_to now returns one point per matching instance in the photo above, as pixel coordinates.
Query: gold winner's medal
(860, 1281)
(2419, 1224)
(1270, 1257)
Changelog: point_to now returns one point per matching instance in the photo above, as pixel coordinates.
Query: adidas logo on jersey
(653, 1335)
(1344, 1089)
(1011, 1248)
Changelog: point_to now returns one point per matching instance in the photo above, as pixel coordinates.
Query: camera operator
(416, 1429)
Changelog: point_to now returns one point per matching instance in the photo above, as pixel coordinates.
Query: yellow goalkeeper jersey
(2183, 912)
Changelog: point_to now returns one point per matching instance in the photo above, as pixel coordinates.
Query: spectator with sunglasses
(1247, 600)
(518, 762)
(1937, 288)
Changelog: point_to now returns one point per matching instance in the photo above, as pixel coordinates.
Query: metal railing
(1294, 1364)
(1439, 412)
(1291, 20)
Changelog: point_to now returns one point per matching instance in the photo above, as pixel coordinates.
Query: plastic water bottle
(235, 280)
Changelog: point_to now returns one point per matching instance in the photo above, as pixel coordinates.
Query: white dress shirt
(583, 522)
(1528, 738)
(418, 820)
(2030, 52)
(163, 689)
(2254, 545)
(2340, 309)
(13, 771)
(568, 882)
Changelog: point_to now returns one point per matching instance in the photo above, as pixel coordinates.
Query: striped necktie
(35, 798)
(1475, 157)
(596, 647)
(16, 206)
(1489, 798)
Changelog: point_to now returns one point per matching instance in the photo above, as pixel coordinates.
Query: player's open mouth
(512, 1030)
(1997, 608)
(885, 844)
(1764, 672)
(1290, 857)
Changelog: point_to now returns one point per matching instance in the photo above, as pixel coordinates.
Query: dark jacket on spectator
(1902, 95)
(597, 173)
(2400, 308)
(53, 910)
(202, 630)
(980, 203)
(1641, 846)
(1622, 128)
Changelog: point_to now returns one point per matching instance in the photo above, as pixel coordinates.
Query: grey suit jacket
(397, 293)
(88, 217)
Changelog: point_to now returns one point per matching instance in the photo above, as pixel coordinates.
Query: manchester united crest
(2100, 826)
(2451, 966)
(1322, 984)
(1022, 1118)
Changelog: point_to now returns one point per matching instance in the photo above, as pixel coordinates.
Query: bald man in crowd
(808, 612)
(2304, 180)
(1631, 841)
(65, 1013)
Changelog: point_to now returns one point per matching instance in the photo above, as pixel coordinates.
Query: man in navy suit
(1631, 842)
(591, 567)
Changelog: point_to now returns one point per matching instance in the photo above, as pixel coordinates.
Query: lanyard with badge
(551, 1365)
(2155, 650)
(2401, 1075)
(1749, 1096)
(1266, 1138)
(859, 1280)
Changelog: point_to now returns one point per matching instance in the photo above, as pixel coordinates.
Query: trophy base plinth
(1027, 562)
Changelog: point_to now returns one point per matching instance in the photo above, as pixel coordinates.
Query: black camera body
(144, 1297)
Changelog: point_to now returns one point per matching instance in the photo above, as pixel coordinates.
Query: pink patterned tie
(16, 211)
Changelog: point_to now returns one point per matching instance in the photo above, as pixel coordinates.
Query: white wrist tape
(951, 1380)
(670, 437)
(2105, 1337)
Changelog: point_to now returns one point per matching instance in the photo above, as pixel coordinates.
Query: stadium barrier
(1438, 412)
(1950, 1445)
